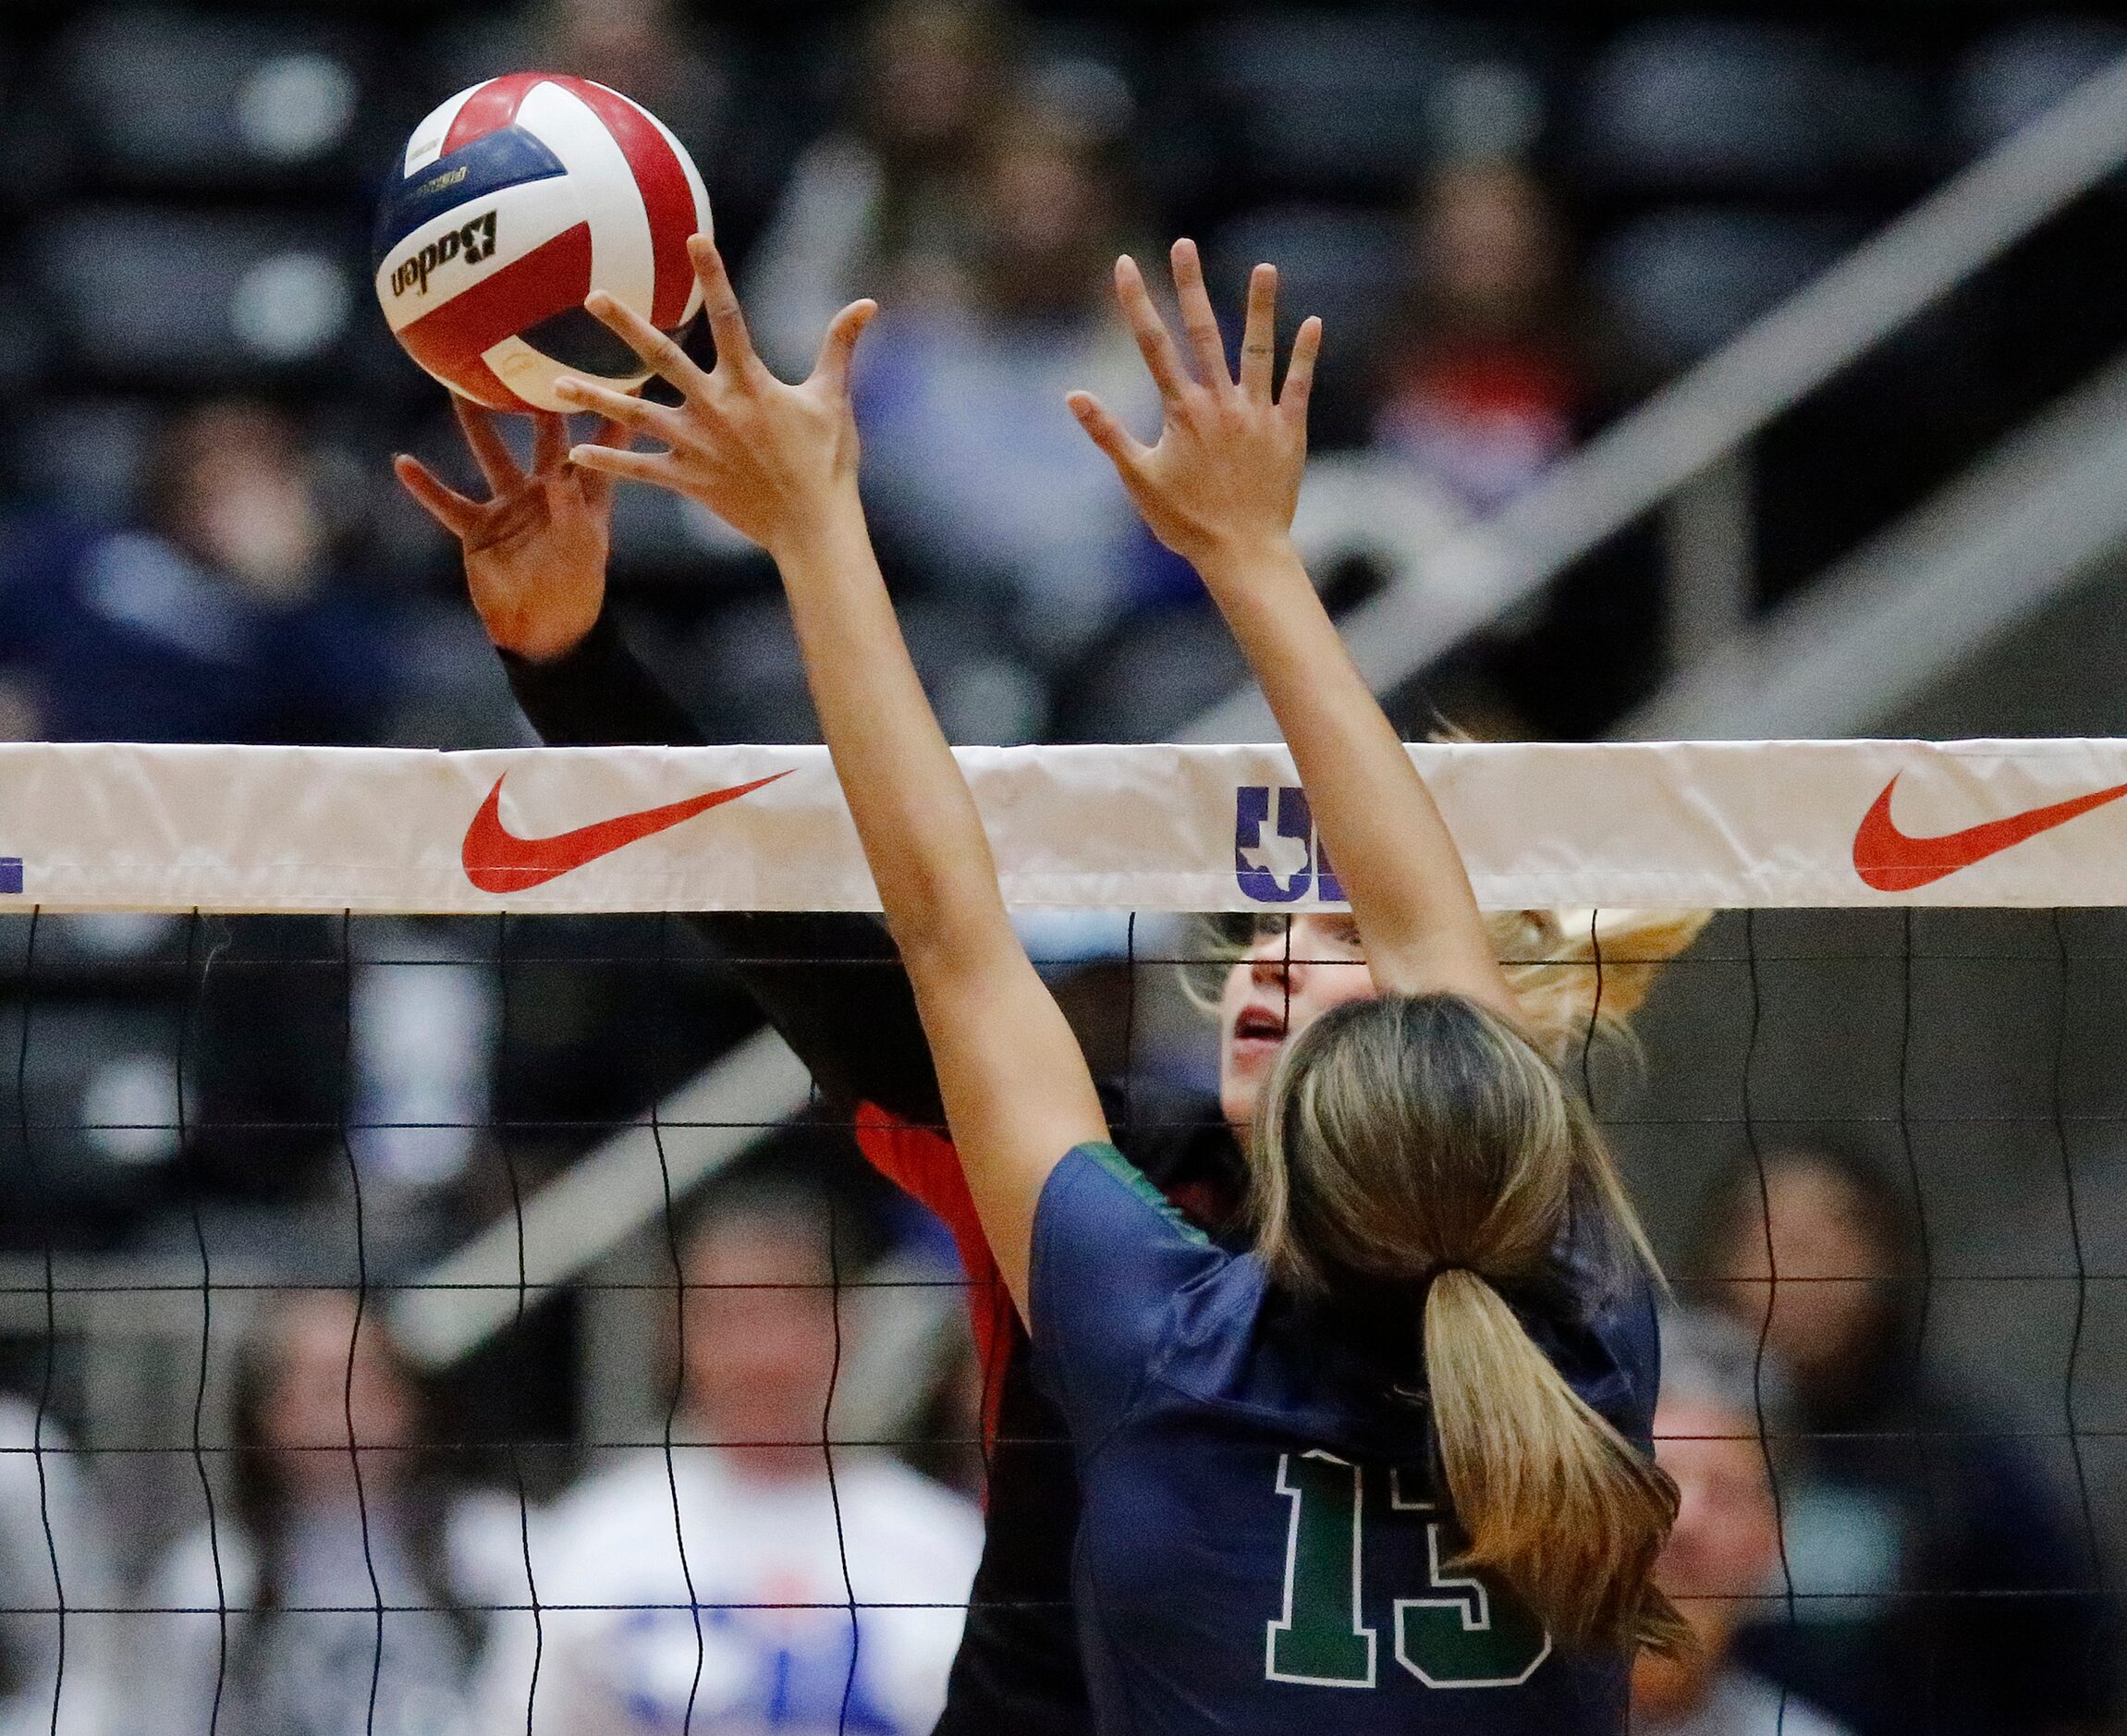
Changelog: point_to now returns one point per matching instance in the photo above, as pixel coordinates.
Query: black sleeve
(599, 696)
(829, 980)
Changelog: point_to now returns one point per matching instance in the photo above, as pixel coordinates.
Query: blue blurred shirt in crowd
(121, 636)
(976, 466)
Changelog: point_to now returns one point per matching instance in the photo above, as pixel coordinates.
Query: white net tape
(1724, 825)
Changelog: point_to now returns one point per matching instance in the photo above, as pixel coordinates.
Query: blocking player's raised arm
(778, 463)
(1219, 487)
(536, 553)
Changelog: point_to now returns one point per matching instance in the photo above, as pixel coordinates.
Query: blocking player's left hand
(769, 459)
(1224, 476)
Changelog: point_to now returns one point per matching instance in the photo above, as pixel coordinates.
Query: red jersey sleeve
(921, 1162)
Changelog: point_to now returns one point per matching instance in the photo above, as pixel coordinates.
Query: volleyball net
(393, 1098)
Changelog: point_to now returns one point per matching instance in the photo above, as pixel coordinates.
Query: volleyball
(513, 201)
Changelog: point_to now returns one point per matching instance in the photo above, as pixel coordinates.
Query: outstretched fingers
(490, 451)
(1153, 341)
(634, 466)
(727, 320)
(660, 353)
(839, 345)
(618, 410)
(1205, 342)
(1259, 338)
(1300, 371)
(597, 488)
(549, 442)
(1123, 449)
(446, 506)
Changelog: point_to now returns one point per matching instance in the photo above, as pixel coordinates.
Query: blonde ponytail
(1423, 1140)
(1551, 1499)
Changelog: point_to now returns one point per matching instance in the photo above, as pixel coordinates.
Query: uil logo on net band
(1277, 859)
(473, 243)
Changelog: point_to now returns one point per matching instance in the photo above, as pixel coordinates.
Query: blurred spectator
(889, 205)
(1495, 366)
(314, 1541)
(1940, 1585)
(674, 59)
(648, 49)
(643, 48)
(49, 1513)
(1723, 1560)
(976, 466)
(712, 1586)
(219, 618)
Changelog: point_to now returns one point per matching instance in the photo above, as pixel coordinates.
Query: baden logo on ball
(513, 201)
(473, 244)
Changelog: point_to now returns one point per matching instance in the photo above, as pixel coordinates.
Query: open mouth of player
(1258, 1030)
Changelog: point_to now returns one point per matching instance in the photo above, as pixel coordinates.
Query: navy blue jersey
(1261, 1548)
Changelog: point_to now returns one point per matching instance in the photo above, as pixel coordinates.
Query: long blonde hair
(1422, 1140)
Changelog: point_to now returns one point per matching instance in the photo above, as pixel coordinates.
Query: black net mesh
(668, 1409)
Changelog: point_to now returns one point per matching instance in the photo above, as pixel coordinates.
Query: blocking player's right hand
(1222, 481)
(535, 550)
(776, 462)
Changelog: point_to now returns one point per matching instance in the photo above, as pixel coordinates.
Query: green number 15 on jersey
(1450, 1630)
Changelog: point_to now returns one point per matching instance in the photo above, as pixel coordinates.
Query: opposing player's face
(758, 1351)
(1286, 979)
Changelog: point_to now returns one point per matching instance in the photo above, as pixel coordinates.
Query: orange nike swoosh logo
(497, 859)
(1890, 861)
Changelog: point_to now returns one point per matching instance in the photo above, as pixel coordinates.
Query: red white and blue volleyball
(514, 200)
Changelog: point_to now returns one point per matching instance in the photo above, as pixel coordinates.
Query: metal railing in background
(1882, 627)
(600, 1201)
(1687, 446)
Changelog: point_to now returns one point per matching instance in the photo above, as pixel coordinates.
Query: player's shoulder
(1597, 1320)
(1249, 1352)
(1103, 1191)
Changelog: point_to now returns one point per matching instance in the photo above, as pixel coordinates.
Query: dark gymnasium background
(1902, 512)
